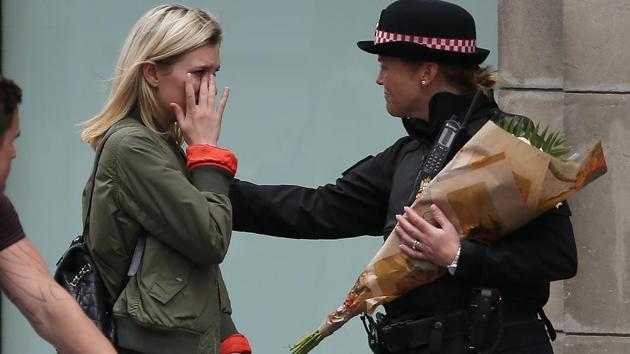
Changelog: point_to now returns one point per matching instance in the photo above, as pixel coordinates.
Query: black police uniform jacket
(366, 198)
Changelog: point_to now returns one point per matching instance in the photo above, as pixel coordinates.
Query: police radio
(442, 148)
(447, 144)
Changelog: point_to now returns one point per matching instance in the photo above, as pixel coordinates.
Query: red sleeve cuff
(236, 343)
(206, 155)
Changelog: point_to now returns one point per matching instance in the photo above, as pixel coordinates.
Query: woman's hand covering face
(200, 123)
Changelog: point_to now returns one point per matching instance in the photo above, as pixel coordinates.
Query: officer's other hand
(437, 245)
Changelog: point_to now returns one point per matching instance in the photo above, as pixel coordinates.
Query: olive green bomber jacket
(177, 298)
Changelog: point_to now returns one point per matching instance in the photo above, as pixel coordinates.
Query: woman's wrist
(209, 142)
(452, 267)
(451, 250)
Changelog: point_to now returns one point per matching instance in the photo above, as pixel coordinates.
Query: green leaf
(550, 142)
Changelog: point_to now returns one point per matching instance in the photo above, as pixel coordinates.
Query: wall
(565, 62)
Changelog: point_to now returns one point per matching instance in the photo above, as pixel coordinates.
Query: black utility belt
(479, 329)
(399, 336)
(422, 336)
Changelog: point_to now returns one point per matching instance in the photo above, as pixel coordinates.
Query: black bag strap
(138, 251)
(97, 158)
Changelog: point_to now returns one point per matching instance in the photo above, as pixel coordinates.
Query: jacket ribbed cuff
(236, 343)
(206, 155)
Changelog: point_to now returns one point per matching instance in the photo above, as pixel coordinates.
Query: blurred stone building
(567, 62)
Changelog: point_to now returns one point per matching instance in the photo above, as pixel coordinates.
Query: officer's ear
(427, 72)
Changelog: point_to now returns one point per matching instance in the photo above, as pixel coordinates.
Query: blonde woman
(163, 94)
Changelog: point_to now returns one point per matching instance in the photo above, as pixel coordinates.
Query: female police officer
(494, 293)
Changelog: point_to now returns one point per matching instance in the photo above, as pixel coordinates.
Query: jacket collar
(133, 117)
(441, 107)
(134, 113)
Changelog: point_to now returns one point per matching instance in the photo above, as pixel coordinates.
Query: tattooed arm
(52, 312)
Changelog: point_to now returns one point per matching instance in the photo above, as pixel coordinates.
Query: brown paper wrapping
(494, 184)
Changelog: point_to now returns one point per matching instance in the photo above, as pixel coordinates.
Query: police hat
(430, 30)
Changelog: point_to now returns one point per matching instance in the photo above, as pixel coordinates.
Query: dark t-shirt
(10, 227)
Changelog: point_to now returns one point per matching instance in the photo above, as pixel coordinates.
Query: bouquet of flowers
(501, 179)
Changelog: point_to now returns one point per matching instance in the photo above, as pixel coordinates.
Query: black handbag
(77, 273)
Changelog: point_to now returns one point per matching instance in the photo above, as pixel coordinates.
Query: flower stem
(307, 343)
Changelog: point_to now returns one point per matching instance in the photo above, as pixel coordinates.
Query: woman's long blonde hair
(159, 37)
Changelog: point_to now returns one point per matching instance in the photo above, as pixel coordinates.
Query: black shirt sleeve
(355, 205)
(10, 227)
